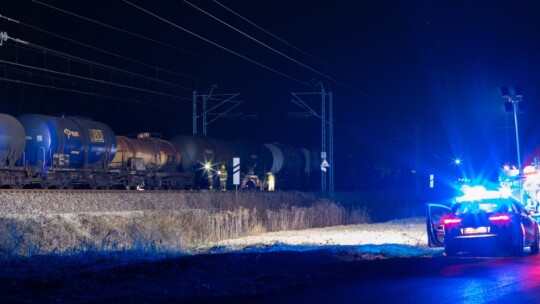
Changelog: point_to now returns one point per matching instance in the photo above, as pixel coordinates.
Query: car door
(527, 222)
(434, 224)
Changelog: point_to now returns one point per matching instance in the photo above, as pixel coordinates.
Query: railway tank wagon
(67, 152)
(12, 142)
(293, 167)
(255, 163)
(150, 163)
(313, 168)
(57, 148)
(198, 152)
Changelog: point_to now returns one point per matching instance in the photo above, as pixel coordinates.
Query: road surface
(437, 280)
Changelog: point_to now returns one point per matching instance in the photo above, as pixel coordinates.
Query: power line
(128, 32)
(93, 80)
(83, 92)
(184, 50)
(265, 45)
(89, 62)
(280, 39)
(187, 51)
(103, 51)
(316, 59)
(215, 44)
(106, 67)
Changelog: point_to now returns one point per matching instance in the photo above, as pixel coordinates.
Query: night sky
(415, 83)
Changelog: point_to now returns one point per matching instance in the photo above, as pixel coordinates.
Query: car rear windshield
(484, 206)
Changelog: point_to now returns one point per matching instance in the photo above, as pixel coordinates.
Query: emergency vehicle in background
(525, 187)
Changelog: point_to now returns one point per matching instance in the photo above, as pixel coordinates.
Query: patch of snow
(396, 238)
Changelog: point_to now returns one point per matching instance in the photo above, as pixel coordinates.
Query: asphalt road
(440, 280)
(315, 276)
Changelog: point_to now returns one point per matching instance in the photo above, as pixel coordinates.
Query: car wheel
(535, 245)
(517, 244)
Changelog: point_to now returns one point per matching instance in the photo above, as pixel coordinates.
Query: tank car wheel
(17, 184)
(250, 185)
(64, 183)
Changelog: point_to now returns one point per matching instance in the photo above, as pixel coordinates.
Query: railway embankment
(36, 222)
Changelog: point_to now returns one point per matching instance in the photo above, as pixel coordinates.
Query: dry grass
(172, 222)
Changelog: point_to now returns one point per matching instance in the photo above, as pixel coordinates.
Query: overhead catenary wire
(299, 50)
(28, 44)
(267, 46)
(215, 44)
(280, 39)
(105, 67)
(86, 93)
(7, 70)
(156, 68)
(93, 80)
(187, 51)
(124, 31)
(134, 34)
(90, 62)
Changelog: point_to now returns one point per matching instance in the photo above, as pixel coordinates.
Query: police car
(482, 220)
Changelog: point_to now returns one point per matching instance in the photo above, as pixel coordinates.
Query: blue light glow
(477, 193)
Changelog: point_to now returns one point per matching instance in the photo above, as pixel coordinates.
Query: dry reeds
(170, 222)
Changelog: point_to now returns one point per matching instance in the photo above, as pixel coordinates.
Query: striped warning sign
(236, 170)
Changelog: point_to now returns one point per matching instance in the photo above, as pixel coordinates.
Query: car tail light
(452, 221)
(501, 218)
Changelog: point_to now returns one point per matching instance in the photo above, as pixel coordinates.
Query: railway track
(101, 191)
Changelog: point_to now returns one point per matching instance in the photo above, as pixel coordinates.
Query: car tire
(535, 245)
(517, 244)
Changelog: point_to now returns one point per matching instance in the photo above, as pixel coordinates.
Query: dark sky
(413, 81)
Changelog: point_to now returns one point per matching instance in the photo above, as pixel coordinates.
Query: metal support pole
(204, 97)
(418, 158)
(514, 100)
(323, 134)
(327, 156)
(515, 105)
(331, 141)
(194, 113)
